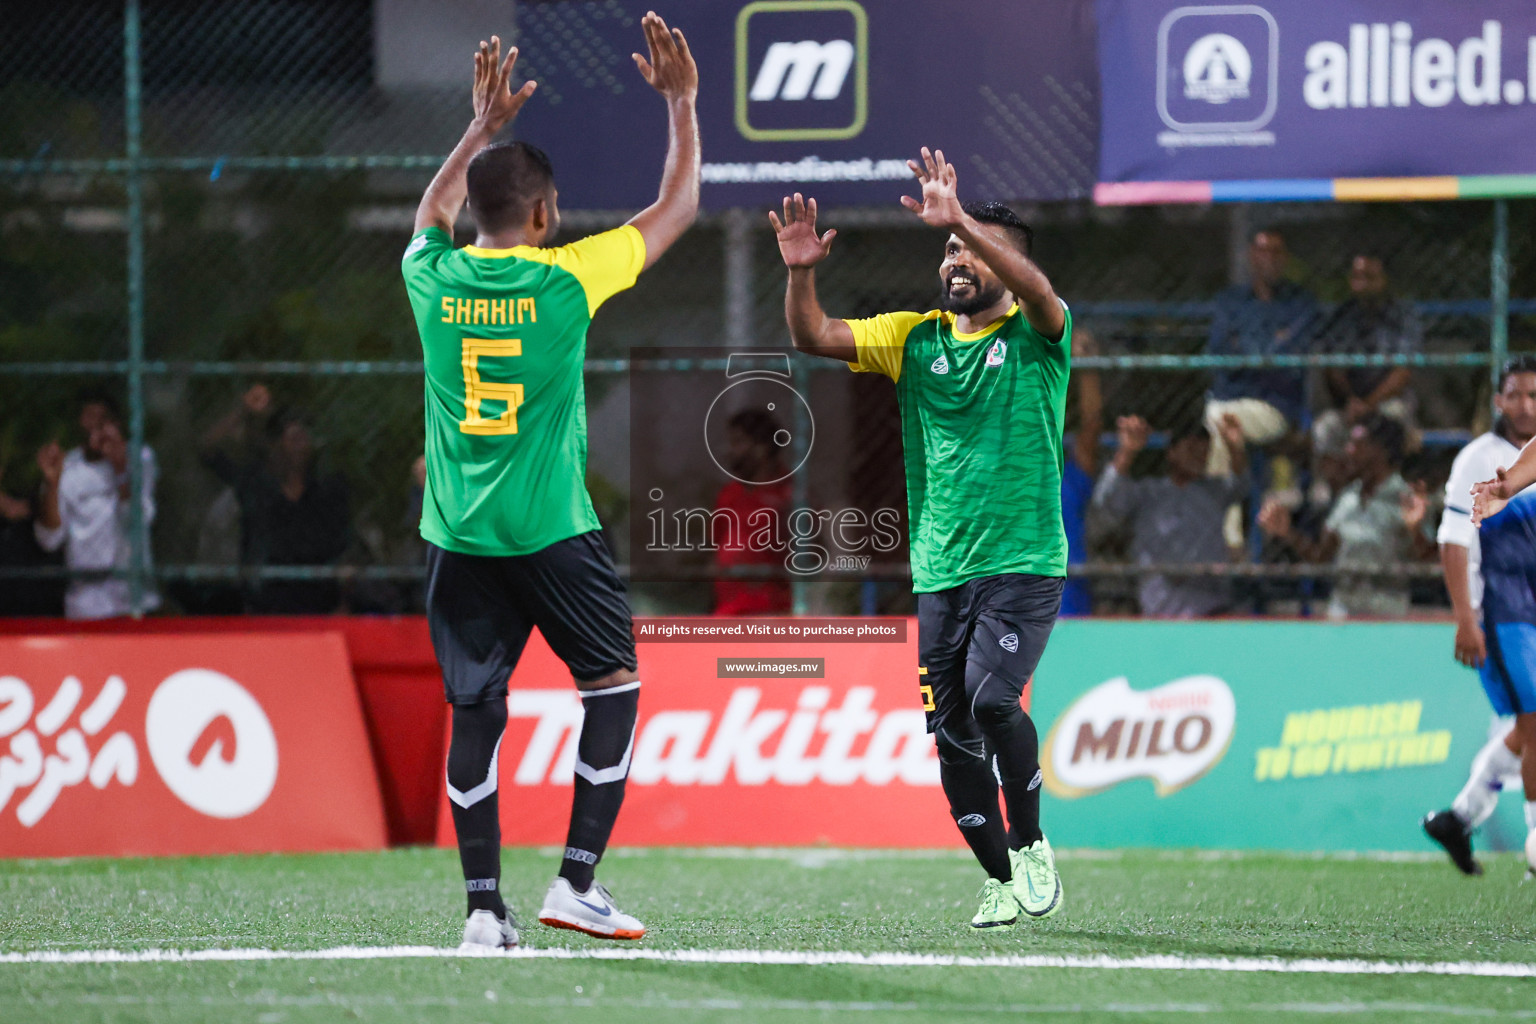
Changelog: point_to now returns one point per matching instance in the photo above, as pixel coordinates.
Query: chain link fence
(198, 199)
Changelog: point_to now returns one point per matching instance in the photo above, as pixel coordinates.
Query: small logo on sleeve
(1010, 643)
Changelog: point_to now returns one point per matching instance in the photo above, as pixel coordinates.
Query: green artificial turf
(1119, 904)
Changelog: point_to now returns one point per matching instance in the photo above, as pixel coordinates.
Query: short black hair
(105, 399)
(758, 425)
(1387, 432)
(996, 213)
(504, 181)
(1523, 363)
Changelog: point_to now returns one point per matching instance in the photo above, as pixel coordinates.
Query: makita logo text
(1172, 735)
(748, 744)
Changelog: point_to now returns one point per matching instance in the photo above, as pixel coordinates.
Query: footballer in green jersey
(512, 542)
(982, 385)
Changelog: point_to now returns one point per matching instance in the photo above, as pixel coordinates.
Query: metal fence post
(1498, 312)
(138, 526)
(738, 279)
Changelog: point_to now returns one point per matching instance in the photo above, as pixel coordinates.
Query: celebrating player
(1495, 646)
(512, 540)
(982, 387)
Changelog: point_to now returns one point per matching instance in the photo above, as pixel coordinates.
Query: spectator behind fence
(1371, 322)
(754, 456)
(85, 508)
(19, 550)
(290, 515)
(1268, 316)
(1176, 519)
(1377, 520)
(1078, 471)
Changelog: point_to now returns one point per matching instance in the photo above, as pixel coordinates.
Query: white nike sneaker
(592, 912)
(484, 932)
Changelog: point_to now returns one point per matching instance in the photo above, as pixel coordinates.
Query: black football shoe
(1447, 830)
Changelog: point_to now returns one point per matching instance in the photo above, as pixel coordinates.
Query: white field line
(794, 958)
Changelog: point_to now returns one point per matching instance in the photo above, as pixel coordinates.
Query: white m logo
(790, 69)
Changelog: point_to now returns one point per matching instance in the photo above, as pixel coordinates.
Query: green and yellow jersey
(504, 337)
(982, 417)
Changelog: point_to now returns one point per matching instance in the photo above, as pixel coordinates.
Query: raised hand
(940, 205)
(798, 242)
(1132, 432)
(494, 101)
(1231, 430)
(1275, 519)
(257, 400)
(670, 70)
(50, 460)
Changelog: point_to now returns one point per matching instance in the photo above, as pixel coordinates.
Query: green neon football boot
(998, 907)
(1036, 885)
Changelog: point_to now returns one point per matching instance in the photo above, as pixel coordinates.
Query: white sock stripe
(598, 776)
(484, 789)
(609, 691)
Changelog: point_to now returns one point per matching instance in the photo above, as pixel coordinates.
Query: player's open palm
(940, 204)
(495, 102)
(798, 242)
(670, 69)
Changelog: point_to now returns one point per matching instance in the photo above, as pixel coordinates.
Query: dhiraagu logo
(802, 70)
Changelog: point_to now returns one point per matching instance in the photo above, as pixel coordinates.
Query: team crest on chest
(996, 353)
(940, 365)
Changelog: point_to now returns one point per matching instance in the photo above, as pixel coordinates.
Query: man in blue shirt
(1268, 316)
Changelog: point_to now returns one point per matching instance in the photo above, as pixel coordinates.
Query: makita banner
(828, 97)
(144, 745)
(1316, 89)
(738, 743)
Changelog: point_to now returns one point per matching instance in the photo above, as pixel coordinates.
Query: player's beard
(983, 298)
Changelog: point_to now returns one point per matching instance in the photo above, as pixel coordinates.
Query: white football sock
(1480, 795)
(1530, 815)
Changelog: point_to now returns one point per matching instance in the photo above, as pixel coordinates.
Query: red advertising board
(837, 754)
(165, 744)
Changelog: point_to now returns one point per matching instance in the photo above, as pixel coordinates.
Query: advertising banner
(828, 97)
(1294, 93)
(1257, 735)
(1221, 735)
(740, 742)
(165, 744)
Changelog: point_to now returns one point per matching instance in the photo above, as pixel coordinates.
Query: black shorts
(993, 625)
(480, 610)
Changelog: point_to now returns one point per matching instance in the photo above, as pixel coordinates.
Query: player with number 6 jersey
(512, 540)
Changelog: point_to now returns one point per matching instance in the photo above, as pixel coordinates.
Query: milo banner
(1257, 735)
(1315, 90)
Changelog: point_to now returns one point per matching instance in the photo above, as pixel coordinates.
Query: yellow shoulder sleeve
(881, 339)
(605, 263)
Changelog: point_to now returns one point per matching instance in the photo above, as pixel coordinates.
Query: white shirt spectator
(93, 530)
(1478, 461)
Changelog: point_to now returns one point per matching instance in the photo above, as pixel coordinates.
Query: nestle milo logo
(1172, 734)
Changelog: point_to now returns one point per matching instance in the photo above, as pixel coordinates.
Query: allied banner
(744, 743)
(191, 744)
(1257, 735)
(1291, 94)
(827, 97)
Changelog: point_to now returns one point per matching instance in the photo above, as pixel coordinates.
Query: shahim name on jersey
(489, 311)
